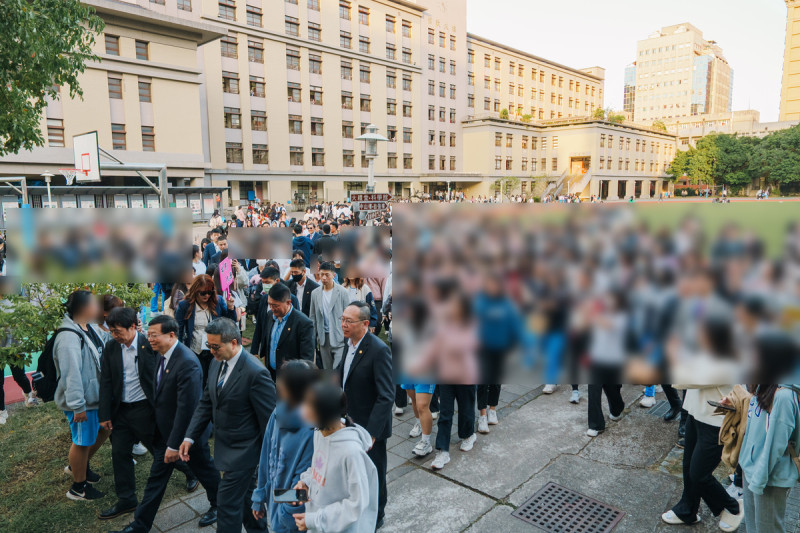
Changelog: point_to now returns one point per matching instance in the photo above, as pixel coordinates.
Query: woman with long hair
(360, 291)
(201, 305)
(342, 482)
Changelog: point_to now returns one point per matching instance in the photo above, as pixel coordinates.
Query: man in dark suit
(126, 405)
(301, 286)
(325, 245)
(257, 303)
(283, 332)
(239, 399)
(178, 386)
(366, 374)
(216, 259)
(211, 248)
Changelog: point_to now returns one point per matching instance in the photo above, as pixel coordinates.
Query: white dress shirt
(131, 387)
(158, 370)
(351, 355)
(300, 291)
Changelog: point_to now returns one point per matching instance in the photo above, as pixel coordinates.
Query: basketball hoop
(71, 173)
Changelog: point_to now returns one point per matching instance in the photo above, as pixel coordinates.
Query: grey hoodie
(78, 370)
(342, 482)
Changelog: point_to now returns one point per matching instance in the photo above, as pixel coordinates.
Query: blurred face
(161, 342)
(352, 326)
(307, 410)
(90, 312)
(123, 335)
(279, 309)
(222, 351)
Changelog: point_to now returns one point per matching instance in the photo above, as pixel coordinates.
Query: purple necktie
(161, 361)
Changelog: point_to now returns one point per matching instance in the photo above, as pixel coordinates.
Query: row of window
(234, 153)
(640, 144)
(112, 47)
(488, 105)
(254, 15)
(442, 89)
(119, 138)
(432, 64)
(555, 80)
(115, 87)
(442, 162)
(363, 19)
(519, 90)
(639, 166)
(442, 138)
(442, 39)
(540, 165)
(498, 141)
(442, 114)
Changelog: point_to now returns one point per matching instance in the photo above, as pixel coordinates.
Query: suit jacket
(176, 399)
(370, 386)
(308, 288)
(339, 300)
(111, 375)
(209, 252)
(325, 246)
(296, 340)
(240, 412)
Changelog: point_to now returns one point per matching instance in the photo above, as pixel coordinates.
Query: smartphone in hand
(289, 495)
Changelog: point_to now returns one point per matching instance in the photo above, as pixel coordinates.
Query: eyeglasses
(214, 347)
(348, 321)
(153, 334)
(205, 293)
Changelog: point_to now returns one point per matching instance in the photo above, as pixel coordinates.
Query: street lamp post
(371, 139)
(47, 177)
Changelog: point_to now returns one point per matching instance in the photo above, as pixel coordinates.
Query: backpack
(45, 379)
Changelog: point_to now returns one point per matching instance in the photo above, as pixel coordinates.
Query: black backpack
(45, 379)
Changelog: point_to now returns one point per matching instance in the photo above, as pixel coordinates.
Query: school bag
(45, 379)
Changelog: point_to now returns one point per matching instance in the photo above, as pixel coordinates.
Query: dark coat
(176, 399)
(296, 341)
(111, 375)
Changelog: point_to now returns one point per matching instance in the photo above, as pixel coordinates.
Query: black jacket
(111, 375)
(307, 288)
(176, 399)
(296, 341)
(325, 246)
(240, 412)
(370, 386)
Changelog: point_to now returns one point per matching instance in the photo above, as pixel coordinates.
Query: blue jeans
(553, 345)
(154, 300)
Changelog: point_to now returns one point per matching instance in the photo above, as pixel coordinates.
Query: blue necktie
(222, 375)
(161, 361)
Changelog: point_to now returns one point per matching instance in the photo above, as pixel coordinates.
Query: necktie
(161, 361)
(222, 375)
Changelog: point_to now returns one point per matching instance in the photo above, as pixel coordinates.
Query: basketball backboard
(87, 156)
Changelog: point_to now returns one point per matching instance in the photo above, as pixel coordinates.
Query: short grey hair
(363, 309)
(226, 328)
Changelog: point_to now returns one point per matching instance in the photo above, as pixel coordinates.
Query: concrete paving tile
(174, 516)
(422, 501)
(198, 502)
(394, 460)
(499, 519)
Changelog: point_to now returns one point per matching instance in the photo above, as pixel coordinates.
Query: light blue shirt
(277, 329)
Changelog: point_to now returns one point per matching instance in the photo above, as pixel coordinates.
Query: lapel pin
(166, 371)
(289, 329)
(360, 352)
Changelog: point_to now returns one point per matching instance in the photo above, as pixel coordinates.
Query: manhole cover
(557, 509)
(659, 409)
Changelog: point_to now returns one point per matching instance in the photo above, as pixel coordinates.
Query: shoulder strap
(59, 330)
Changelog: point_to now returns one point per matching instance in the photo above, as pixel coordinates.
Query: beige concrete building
(790, 86)
(578, 156)
(745, 123)
(677, 73)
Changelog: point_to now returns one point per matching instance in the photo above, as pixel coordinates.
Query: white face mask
(266, 287)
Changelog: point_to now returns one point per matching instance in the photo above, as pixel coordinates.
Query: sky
(585, 33)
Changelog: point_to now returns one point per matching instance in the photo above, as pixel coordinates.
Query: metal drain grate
(557, 509)
(659, 409)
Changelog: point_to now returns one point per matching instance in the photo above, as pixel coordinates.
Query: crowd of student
(275, 215)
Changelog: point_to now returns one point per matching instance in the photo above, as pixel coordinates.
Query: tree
(599, 114)
(680, 165)
(506, 186)
(526, 118)
(615, 118)
(504, 114)
(733, 168)
(659, 125)
(702, 166)
(30, 318)
(46, 46)
(776, 158)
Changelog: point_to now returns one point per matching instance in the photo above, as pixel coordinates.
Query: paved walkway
(633, 466)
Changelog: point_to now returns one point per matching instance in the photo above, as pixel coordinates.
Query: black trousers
(400, 397)
(133, 423)
(201, 464)
(234, 502)
(378, 455)
(604, 379)
(488, 395)
(675, 399)
(701, 455)
(448, 396)
(22, 380)
(205, 358)
(379, 324)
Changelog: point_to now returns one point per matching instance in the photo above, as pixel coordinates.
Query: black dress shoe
(672, 414)
(192, 484)
(379, 524)
(118, 509)
(128, 529)
(209, 518)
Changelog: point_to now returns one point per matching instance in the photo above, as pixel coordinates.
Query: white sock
(426, 438)
(416, 420)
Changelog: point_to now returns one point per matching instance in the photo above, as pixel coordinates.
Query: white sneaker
(3, 417)
(468, 443)
(492, 413)
(647, 402)
(659, 388)
(592, 433)
(435, 415)
(398, 411)
(483, 425)
(734, 491)
(670, 518)
(729, 521)
(549, 389)
(576, 397)
(416, 431)
(422, 448)
(139, 449)
(615, 418)
(442, 458)
(32, 401)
